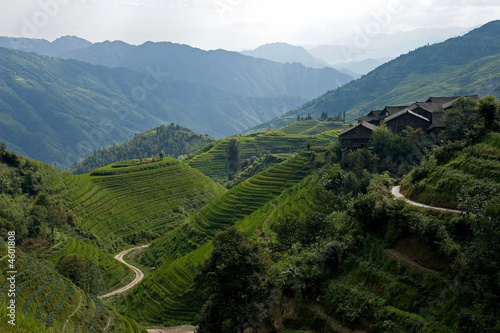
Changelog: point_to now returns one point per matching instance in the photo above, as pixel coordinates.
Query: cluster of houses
(427, 116)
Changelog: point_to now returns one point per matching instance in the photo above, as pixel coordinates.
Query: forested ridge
(163, 141)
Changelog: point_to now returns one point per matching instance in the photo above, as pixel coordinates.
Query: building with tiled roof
(427, 116)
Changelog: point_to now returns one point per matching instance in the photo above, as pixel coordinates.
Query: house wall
(397, 125)
(356, 138)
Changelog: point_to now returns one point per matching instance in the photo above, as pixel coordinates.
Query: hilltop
(167, 141)
(463, 65)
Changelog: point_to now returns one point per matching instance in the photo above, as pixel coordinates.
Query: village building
(357, 136)
(399, 121)
(427, 116)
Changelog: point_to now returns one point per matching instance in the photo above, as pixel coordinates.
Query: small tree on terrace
(233, 157)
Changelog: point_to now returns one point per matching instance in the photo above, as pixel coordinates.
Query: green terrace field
(132, 204)
(163, 294)
(313, 127)
(441, 181)
(114, 273)
(212, 159)
(45, 299)
(296, 201)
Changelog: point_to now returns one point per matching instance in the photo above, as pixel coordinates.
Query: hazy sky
(234, 24)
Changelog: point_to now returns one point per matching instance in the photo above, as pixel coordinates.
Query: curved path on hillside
(139, 275)
(396, 193)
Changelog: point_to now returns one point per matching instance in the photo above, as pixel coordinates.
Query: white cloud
(233, 24)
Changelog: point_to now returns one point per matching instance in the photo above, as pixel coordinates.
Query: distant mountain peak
(286, 53)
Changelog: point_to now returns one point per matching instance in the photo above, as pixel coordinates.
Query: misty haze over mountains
(355, 54)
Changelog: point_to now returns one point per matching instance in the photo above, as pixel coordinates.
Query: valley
(217, 203)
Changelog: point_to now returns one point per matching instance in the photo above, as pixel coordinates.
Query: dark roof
(441, 100)
(366, 118)
(363, 123)
(437, 120)
(394, 109)
(400, 113)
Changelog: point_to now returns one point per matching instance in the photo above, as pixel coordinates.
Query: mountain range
(464, 65)
(59, 111)
(225, 70)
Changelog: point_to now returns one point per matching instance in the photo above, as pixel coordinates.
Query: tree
(324, 116)
(487, 109)
(234, 280)
(460, 119)
(83, 272)
(233, 157)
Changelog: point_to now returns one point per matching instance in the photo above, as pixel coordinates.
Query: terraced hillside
(163, 294)
(458, 170)
(213, 158)
(137, 203)
(296, 201)
(312, 127)
(113, 271)
(45, 299)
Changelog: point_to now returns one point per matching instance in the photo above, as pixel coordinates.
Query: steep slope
(53, 302)
(113, 272)
(459, 172)
(228, 71)
(172, 141)
(459, 66)
(58, 111)
(212, 159)
(164, 295)
(39, 224)
(137, 203)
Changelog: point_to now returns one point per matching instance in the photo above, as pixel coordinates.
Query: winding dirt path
(397, 194)
(139, 275)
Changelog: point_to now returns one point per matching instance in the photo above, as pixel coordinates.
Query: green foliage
(352, 304)
(399, 153)
(235, 280)
(82, 272)
(233, 158)
(460, 119)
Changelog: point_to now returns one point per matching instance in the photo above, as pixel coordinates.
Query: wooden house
(357, 136)
(399, 121)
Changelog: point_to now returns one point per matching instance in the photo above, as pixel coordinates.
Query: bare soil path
(139, 275)
(178, 329)
(397, 194)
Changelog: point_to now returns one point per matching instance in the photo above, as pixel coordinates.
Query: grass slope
(440, 183)
(113, 271)
(45, 299)
(139, 202)
(163, 295)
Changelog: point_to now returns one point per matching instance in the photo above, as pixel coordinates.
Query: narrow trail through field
(396, 193)
(139, 275)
